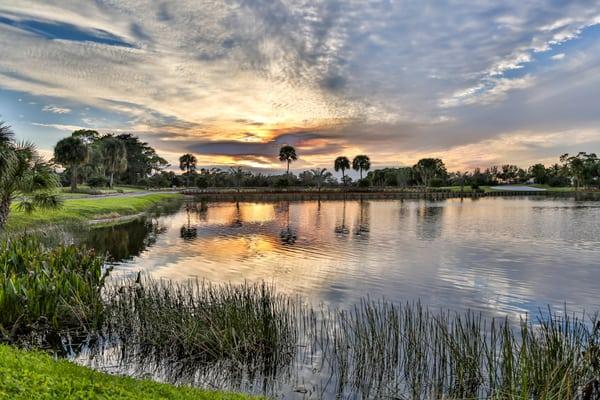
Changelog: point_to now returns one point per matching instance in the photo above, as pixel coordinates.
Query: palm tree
(342, 164)
(287, 154)
(23, 172)
(319, 175)
(361, 163)
(238, 175)
(71, 152)
(187, 163)
(115, 156)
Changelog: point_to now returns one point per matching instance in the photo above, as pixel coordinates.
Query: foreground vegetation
(83, 210)
(377, 349)
(34, 375)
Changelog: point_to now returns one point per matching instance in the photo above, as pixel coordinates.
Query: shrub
(97, 181)
(364, 183)
(57, 289)
(282, 183)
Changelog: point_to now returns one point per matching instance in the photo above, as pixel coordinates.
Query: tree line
(101, 160)
(104, 160)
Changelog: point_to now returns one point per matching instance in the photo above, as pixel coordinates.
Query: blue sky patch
(64, 31)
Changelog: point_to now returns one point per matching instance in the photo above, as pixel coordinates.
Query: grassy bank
(84, 210)
(34, 375)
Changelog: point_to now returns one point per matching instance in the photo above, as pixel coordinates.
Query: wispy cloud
(56, 109)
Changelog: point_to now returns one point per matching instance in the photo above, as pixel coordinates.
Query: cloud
(234, 79)
(56, 110)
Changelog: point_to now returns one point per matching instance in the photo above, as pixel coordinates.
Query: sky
(476, 83)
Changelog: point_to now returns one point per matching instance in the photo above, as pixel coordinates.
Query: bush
(97, 181)
(282, 183)
(364, 183)
(56, 289)
(437, 182)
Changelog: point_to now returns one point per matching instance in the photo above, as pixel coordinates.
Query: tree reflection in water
(341, 229)
(124, 241)
(288, 235)
(362, 228)
(189, 232)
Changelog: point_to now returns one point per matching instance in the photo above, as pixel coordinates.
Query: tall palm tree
(23, 172)
(319, 175)
(361, 163)
(187, 163)
(287, 154)
(238, 175)
(115, 157)
(342, 164)
(71, 152)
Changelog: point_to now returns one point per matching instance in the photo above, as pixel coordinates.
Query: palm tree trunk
(4, 209)
(344, 176)
(73, 177)
(288, 167)
(187, 178)
(112, 176)
(360, 170)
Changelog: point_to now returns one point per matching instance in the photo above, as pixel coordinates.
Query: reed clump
(46, 290)
(382, 350)
(196, 323)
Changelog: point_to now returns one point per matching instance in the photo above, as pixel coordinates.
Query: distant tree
(584, 168)
(187, 163)
(23, 173)
(237, 174)
(539, 173)
(342, 164)
(71, 152)
(320, 175)
(429, 168)
(114, 155)
(361, 163)
(287, 154)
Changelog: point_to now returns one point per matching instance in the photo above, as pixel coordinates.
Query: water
(501, 256)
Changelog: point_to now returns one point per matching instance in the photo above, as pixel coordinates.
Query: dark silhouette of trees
(287, 154)
(361, 163)
(428, 169)
(187, 163)
(342, 164)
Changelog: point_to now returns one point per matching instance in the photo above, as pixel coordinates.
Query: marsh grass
(377, 349)
(381, 350)
(196, 323)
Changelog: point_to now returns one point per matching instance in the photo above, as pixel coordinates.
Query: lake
(501, 256)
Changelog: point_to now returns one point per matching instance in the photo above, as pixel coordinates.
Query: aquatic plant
(196, 322)
(378, 349)
(48, 290)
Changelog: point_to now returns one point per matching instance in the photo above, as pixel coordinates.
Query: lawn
(83, 210)
(34, 375)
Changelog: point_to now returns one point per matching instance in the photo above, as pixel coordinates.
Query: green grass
(80, 211)
(34, 375)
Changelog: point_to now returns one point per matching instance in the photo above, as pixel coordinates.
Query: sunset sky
(473, 82)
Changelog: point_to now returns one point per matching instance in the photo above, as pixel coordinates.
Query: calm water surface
(502, 256)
